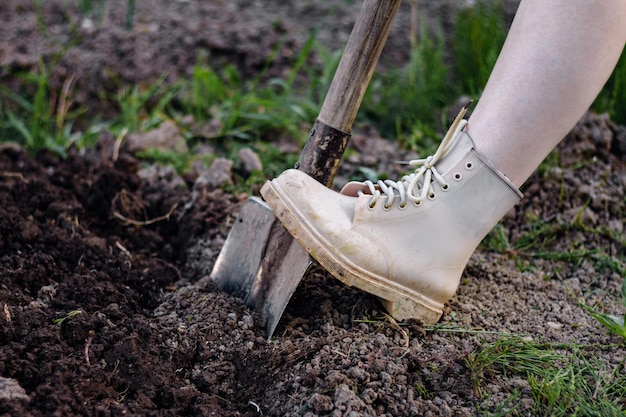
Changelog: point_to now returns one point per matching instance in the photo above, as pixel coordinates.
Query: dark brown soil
(107, 308)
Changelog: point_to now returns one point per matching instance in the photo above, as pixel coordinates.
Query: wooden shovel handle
(331, 131)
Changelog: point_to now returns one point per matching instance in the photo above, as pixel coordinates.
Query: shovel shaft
(331, 132)
(322, 153)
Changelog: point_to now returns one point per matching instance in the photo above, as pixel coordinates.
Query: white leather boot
(405, 241)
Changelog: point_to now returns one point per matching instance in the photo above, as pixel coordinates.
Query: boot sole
(401, 302)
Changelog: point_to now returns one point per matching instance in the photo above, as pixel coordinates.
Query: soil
(107, 307)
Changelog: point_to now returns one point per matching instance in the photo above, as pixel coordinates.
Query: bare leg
(557, 56)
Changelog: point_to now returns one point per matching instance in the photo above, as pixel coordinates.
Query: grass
(96, 10)
(561, 379)
(69, 315)
(43, 120)
(615, 324)
(479, 34)
(612, 98)
(142, 108)
(405, 103)
(541, 238)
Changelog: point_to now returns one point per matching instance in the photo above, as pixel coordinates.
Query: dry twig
(87, 344)
(128, 221)
(13, 175)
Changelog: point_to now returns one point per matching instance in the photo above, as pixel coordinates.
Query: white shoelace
(418, 186)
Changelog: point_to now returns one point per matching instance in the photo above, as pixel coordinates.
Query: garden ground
(107, 308)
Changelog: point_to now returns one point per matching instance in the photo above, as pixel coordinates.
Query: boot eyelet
(371, 206)
(457, 176)
(386, 207)
(402, 206)
(432, 196)
(445, 187)
(417, 203)
(469, 165)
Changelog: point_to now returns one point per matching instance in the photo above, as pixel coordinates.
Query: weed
(69, 315)
(509, 355)
(96, 10)
(130, 14)
(93, 9)
(479, 34)
(612, 98)
(208, 89)
(319, 79)
(540, 235)
(251, 110)
(615, 324)
(583, 386)
(138, 110)
(497, 240)
(563, 379)
(423, 392)
(43, 121)
(405, 103)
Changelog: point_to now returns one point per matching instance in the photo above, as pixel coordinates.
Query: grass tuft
(45, 119)
(405, 103)
(612, 98)
(615, 324)
(563, 379)
(479, 34)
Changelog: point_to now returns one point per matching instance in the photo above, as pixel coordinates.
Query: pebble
(10, 389)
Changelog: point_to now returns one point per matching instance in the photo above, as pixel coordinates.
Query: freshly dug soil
(107, 307)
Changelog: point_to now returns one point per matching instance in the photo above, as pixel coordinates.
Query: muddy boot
(404, 241)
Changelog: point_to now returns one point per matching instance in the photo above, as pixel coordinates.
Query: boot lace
(417, 186)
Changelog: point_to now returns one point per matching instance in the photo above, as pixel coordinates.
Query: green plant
(319, 77)
(142, 107)
(505, 408)
(251, 110)
(564, 379)
(69, 315)
(615, 324)
(44, 120)
(582, 386)
(130, 14)
(405, 103)
(497, 240)
(207, 89)
(509, 355)
(97, 9)
(612, 98)
(479, 34)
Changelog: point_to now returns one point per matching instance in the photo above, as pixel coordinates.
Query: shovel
(260, 262)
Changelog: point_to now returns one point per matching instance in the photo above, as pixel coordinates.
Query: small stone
(10, 389)
(250, 161)
(554, 325)
(165, 137)
(7, 313)
(220, 173)
(320, 403)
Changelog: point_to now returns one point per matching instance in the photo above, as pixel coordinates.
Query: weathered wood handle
(331, 132)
